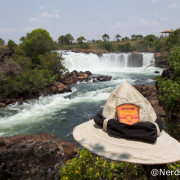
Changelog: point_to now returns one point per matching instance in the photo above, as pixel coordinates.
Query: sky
(88, 18)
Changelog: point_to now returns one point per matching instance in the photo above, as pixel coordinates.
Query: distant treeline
(149, 43)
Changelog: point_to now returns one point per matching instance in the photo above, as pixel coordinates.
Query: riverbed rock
(100, 78)
(137, 60)
(150, 93)
(74, 77)
(167, 73)
(70, 150)
(2, 104)
(30, 157)
(161, 60)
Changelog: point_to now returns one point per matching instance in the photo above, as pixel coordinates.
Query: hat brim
(165, 150)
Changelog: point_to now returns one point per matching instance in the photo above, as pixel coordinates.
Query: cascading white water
(58, 114)
(107, 62)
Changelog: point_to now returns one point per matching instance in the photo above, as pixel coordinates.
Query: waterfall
(108, 61)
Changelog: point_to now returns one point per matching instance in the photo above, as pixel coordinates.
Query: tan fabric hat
(165, 150)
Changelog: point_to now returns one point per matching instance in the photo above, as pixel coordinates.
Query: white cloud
(8, 30)
(173, 6)
(45, 17)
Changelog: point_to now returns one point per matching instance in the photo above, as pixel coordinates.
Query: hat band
(105, 124)
(158, 130)
(142, 131)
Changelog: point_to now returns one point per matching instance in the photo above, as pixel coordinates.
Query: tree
(117, 37)
(133, 37)
(80, 39)
(36, 43)
(149, 40)
(139, 37)
(105, 37)
(1, 42)
(69, 39)
(12, 45)
(65, 40)
(125, 39)
(61, 40)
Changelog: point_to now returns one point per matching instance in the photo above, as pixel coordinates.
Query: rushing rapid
(58, 114)
(110, 62)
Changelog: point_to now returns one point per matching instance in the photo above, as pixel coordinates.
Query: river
(59, 114)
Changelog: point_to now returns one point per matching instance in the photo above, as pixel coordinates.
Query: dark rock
(30, 157)
(2, 104)
(157, 72)
(161, 60)
(104, 78)
(168, 73)
(70, 149)
(74, 77)
(61, 88)
(150, 93)
(135, 60)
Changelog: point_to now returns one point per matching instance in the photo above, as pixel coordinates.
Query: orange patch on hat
(128, 114)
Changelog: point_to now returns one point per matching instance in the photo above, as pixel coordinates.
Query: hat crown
(127, 94)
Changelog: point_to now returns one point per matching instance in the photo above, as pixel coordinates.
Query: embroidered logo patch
(128, 114)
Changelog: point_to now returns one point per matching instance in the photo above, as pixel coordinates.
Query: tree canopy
(105, 37)
(37, 42)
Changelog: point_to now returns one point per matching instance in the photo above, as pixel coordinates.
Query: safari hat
(127, 109)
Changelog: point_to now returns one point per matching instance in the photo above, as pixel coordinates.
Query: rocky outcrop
(61, 86)
(100, 78)
(70, 150)
(74, 77)
(55, 88)
(150, 93)
(161, 60)
(5, 52)
(33, 156)
(137, 60)
(30, 157)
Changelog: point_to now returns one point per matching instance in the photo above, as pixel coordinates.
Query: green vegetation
(91, 167)
(1, 42)
(33, 66)
(169, 89)
(149, 43)
(88, 166)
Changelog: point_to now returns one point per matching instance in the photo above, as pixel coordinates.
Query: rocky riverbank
(62, 85)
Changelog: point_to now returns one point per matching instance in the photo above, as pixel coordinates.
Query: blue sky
(88, 18)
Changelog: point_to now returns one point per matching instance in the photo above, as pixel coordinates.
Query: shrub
(108, 46)
(88, 166)
(12, 45)
(52, 62)
(169, 89)
(28, 81)
(169, 92)
(126, 47)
